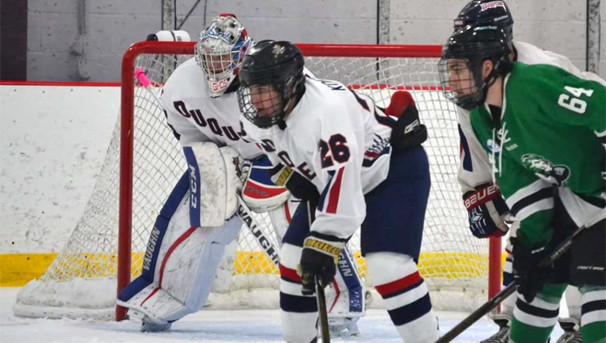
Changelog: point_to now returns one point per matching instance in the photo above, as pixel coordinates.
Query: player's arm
(487, 212)
(531, 200)
(341, 207)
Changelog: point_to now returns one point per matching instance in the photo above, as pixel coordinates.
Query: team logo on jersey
(545, 169)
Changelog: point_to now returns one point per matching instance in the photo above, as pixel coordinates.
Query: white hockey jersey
(334, 138)
(474, 166)
(195, 116)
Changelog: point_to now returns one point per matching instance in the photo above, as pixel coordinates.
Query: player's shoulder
(536, 76)
(327, 94)
(187, 76)
(531, 54)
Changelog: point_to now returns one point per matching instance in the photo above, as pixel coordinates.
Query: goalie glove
(258, 191)
(487, 212)
(319, 260)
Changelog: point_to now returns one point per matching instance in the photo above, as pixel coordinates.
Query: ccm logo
(193, 187)
(483, 195)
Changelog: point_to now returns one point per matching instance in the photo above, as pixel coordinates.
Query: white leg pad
(185, 261)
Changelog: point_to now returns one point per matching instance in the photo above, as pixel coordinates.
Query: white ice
(251, 326)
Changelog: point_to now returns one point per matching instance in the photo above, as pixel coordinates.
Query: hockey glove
(299, 186)
(528, 275)
(408, 131)
(318, 260)
(487, 212)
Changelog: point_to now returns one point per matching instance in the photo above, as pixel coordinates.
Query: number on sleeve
(574, 103)
(335, 150)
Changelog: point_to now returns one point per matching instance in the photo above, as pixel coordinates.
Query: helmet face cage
(461, 65)
(486, 12)
(220, 50)
(266, 103)
(461, 80)
(271, 79)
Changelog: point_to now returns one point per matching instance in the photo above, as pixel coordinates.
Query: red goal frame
(127, 137)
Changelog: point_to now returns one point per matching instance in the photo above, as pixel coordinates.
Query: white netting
(451, 259)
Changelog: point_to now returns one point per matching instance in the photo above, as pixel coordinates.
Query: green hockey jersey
(551, 131)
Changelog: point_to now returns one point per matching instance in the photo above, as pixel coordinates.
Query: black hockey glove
(408, 131)
(487, 211)
(299, 186)
(526, 271)
(319, 260)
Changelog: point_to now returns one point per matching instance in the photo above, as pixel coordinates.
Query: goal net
(144, 161)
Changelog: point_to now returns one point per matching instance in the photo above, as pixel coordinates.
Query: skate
(572, 332)
(343, 327)
(502, 336)
(147, 325)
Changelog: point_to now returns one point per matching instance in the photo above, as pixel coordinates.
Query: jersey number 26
(335, 150)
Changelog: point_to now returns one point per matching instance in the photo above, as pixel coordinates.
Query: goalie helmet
(271, 80)
(220, 50)
(461, 65)
(486, 12)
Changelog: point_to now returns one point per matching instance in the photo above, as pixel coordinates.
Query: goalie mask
(485, 13)
(271, 80)
(462, 63)
(220, 50)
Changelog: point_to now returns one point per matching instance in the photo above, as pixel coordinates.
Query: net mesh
(451, 260)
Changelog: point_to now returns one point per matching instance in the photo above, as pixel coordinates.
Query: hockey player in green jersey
(545, 132)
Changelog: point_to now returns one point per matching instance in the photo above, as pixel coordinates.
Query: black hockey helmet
(462, 62)
(271, 80)
(486, 12)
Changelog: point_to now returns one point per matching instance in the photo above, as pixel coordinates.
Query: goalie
(198, 220)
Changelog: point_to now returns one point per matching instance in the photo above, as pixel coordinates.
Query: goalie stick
(243, 211)
(559, 250)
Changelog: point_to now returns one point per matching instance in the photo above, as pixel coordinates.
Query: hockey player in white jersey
(198, 219)
(489, 217)
(365, 167)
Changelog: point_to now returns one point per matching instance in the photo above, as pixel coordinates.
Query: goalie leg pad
(406, 296)
(182, 263)
(214, 183)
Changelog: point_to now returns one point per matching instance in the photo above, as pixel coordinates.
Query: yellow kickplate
(17, 269)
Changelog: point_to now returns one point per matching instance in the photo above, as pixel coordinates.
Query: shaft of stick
(320, 296)
(507, 291)
(325, 333)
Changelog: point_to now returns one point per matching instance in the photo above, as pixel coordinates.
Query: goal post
(144, 161)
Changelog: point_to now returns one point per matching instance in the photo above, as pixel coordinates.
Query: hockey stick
(320, 295)
(507, 291)
(243, 210)
(255, 228)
